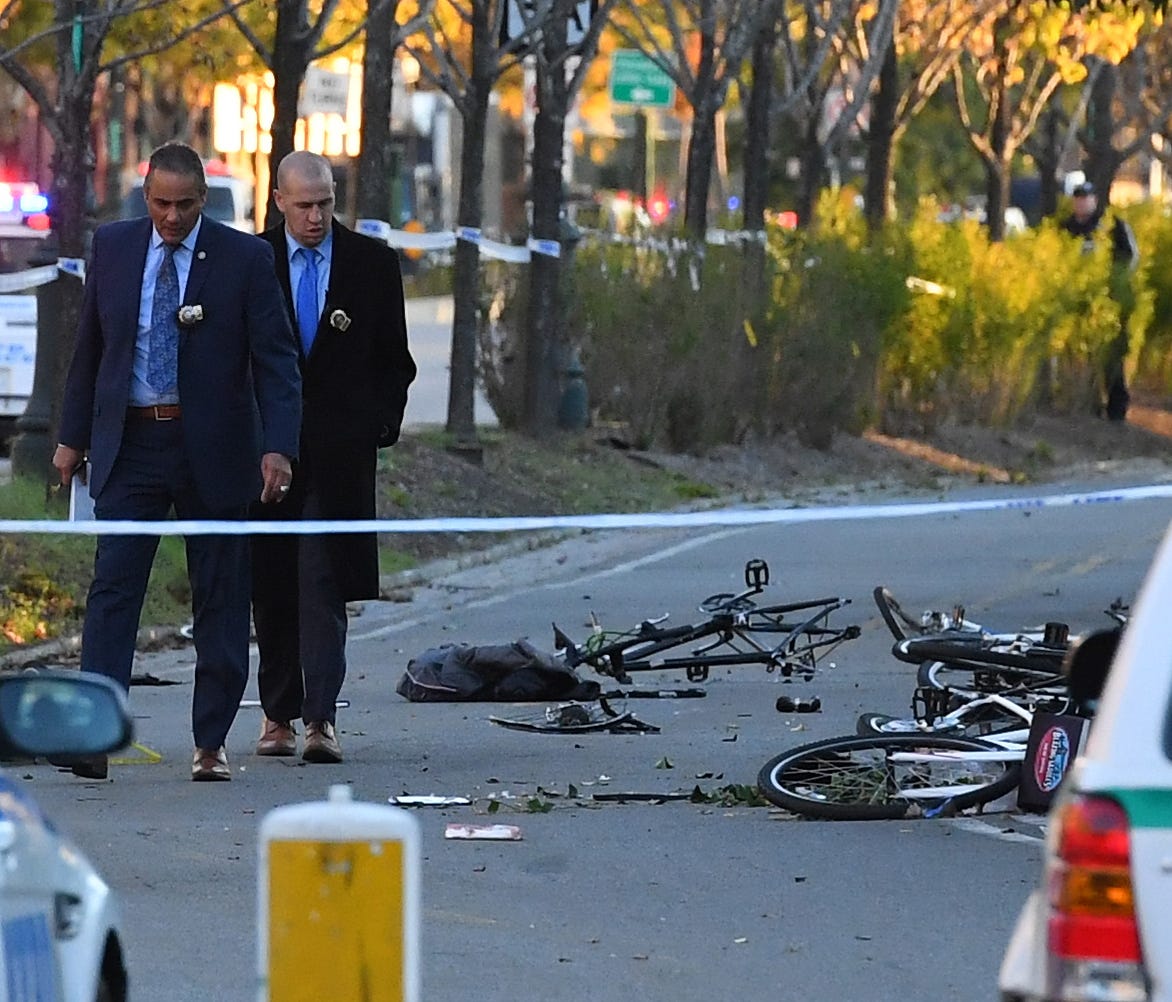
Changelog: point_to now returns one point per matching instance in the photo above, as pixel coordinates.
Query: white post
(338, 902)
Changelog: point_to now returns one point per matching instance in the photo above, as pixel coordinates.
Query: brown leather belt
(156, 412)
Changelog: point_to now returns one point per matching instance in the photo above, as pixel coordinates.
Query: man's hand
(277, 472)
(67, 461)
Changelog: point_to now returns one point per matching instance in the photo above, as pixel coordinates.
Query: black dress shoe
(86, 767)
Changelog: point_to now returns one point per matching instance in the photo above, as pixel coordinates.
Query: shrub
(840, 329)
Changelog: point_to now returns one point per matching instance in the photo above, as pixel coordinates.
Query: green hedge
(822, 332)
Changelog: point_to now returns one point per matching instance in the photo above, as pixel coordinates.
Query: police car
(1099, 924)
(24, 224)
(60, 938)
(24, 241)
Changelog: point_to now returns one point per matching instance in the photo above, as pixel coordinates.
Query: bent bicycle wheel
(883, 723)
(986, 722)
(968, 677)
(898, 622)
(881, 777)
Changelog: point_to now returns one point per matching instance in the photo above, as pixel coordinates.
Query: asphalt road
(608, 901)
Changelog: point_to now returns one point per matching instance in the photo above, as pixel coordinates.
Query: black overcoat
(354, 388)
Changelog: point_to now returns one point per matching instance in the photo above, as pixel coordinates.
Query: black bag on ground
(514, 673)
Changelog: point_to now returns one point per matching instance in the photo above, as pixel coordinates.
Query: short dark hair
(176, 158)
(1085, 188)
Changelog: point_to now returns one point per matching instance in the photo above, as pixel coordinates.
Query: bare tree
(382, 37)
(926, 44)
(298, 40)
(561, 68)
(466, 60)
(1128, 104)
(1014, 64)
(833, 51)
(726, 31)
(464, 57)
(56, 54)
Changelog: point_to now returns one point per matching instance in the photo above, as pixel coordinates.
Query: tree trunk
(701, 151)
(473, 108)
(880, 142)
(374, 165)
(702, 143)
(1102, 158)
(757, 133)
(1047, 159)
(813, 160)
(290, 59)
(466, 273)
(997, 169)
(758, 113)
(71, 166)
(542, 347)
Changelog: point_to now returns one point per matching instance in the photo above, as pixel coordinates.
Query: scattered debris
(427, 800)
(489, 833)
(576, 718)
(735, 794)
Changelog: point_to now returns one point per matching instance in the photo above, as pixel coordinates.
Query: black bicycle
(789, 638)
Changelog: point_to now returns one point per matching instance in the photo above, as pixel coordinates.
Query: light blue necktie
(163, 344)
(308, 312)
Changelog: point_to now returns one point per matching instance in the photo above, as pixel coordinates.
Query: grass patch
(44, 578)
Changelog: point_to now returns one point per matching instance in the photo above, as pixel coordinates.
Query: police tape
(724, 517)
(518, 254)
(18, 281)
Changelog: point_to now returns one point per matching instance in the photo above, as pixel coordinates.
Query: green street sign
(635, 79)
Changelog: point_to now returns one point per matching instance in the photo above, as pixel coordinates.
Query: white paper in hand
(81, 505)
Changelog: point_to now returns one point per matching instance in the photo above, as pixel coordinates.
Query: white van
(229, 201)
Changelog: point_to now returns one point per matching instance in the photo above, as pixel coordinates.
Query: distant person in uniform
(1086, 222)
(345, 293)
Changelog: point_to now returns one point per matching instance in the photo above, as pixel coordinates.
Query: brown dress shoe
(88, 767)
(320, 743)
(210, 766)
(277, 738)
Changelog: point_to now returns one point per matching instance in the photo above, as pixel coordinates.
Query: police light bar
(24, 198)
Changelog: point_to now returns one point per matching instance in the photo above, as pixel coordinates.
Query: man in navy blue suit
(184, 394)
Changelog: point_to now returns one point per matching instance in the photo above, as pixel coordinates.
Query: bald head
(305, 196)
(304, 166)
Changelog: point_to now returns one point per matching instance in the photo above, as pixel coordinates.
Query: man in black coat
(345, 294)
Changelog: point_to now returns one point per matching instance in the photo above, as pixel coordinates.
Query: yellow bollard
(338, 902)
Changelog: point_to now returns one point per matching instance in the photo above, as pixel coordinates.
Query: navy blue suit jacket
(239, 384)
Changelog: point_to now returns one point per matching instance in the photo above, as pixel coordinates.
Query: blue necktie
(308, 313)
(163, 344)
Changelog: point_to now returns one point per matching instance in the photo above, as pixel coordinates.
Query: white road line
(502, 595)
(976, 827)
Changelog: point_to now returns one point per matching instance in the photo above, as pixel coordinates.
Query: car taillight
(1093, 936)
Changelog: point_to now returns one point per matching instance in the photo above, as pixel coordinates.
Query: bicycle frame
(737, 633)
(974, 703)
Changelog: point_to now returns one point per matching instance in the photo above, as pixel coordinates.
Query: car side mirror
(61, 712)
(1087, 664)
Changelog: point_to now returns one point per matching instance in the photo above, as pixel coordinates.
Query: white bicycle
(882, 776)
